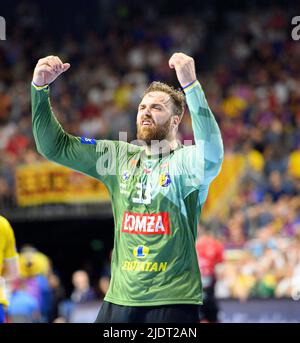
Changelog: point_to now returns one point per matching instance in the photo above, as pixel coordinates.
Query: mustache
(146, 118)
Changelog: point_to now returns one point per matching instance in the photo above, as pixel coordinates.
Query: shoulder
(188, 155)
(4, 225)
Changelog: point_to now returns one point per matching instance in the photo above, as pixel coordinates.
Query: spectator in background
(276, 187)
(35, 269)
(23, 307)
(82, 292)
(103, 285)
(9, 264)
(210, 253)
(57, 295)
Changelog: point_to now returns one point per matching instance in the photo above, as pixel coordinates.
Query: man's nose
(146, 111)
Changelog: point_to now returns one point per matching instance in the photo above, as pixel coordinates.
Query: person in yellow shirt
(9, 264)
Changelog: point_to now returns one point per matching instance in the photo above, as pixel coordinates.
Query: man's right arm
(52, 141)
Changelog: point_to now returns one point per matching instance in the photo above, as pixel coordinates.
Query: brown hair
(177, 96)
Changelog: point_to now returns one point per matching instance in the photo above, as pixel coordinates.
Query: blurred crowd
(248, 66)
(255, 94)
(261, 237)
(38, 295)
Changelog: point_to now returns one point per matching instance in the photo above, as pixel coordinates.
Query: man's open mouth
(146, 122)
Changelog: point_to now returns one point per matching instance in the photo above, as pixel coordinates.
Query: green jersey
(156, 201)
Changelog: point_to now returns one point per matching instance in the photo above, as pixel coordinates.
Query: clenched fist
(184, 66)
(48, 69)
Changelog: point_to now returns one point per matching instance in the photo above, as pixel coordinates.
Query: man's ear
(175, 120)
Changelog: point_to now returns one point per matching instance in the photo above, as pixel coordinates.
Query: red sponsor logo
(146, 224)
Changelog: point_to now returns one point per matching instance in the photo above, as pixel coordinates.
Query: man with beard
(157, 192)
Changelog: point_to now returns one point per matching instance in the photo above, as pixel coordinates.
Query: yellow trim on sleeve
(193, 85)
(38, 88)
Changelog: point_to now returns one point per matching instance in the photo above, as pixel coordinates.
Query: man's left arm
(208, 153)
(207, 134)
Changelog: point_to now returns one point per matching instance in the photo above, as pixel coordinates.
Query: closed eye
(155, 106)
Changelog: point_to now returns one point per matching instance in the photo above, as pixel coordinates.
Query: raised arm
(209, 145)
(52, 141)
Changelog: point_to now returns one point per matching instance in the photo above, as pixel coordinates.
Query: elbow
(44, 152)
(42, 146)
(220, 154)
(221, 149)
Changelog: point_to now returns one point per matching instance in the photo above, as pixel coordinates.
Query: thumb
(171, 64)
(66, 66)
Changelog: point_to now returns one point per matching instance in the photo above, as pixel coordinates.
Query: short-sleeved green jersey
(156, 201)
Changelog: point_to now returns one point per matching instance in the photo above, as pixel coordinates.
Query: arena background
(248, 64)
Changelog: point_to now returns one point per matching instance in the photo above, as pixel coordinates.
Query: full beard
(154, 132)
